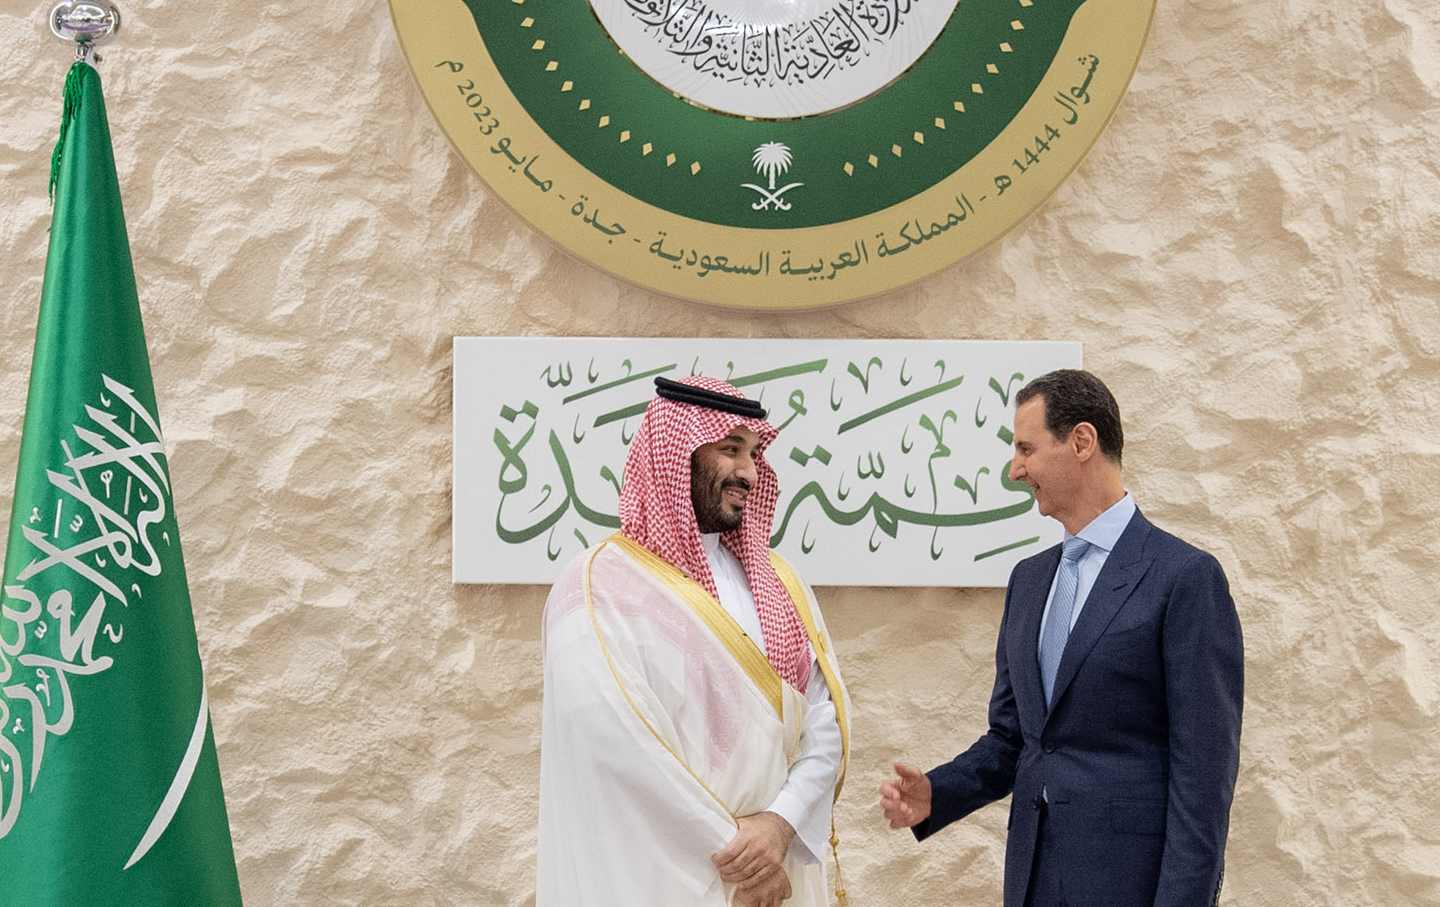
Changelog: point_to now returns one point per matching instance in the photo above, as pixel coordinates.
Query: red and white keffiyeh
(656, 511)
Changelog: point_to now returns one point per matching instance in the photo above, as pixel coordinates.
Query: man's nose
(1015, 468)
(746, 470)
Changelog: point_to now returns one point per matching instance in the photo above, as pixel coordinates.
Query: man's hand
(770, 892)
(755, 856)
(906, 800)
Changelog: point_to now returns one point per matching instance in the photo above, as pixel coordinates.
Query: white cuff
(792, 809)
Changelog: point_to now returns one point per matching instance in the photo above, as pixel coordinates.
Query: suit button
(1049, 748)
(1038, 802)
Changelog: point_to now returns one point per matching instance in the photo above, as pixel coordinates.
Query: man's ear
(1084, 441)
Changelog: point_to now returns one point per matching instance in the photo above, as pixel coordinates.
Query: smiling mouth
(737, 495)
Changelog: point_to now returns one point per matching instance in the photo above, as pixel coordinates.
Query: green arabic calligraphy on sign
(893, 456)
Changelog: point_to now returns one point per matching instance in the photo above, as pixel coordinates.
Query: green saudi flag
(109, 784)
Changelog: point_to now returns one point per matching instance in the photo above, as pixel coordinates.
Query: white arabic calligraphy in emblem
(774, 59)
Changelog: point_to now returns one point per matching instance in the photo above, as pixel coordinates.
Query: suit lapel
(1118, 578)
(1032, 588)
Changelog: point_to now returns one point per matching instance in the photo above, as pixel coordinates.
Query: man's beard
(706, 496)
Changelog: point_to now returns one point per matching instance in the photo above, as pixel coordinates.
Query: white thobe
(807, 797)
(661, 725)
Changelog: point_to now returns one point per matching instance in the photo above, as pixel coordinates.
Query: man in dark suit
(1115, 717)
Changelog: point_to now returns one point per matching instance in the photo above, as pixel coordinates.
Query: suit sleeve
(986, 771)
(1204, 688)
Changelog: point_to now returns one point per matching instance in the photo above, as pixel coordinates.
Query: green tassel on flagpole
(72, 107)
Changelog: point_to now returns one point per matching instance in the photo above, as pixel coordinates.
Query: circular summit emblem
(773, 154)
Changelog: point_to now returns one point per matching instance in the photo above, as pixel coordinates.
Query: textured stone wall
(1251, 256)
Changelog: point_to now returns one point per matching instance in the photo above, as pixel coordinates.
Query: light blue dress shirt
(1102, 533)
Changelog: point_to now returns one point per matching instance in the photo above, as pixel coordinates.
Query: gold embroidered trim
(837, 696)
(714, 616)
(822, 657)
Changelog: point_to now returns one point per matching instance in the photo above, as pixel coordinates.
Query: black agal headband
(699, 396)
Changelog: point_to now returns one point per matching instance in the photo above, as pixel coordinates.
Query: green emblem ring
(761, 211)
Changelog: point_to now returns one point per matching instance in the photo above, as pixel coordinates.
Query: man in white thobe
(695, 728)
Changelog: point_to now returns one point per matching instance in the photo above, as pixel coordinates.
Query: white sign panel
(892, 456)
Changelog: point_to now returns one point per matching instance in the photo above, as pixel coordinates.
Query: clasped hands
(754, 860)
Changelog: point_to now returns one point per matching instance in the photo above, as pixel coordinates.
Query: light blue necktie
(1057, 628)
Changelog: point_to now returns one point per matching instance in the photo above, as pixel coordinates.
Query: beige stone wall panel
(1251, 255)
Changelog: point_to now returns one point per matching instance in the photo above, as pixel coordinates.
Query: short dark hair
(1073, 396)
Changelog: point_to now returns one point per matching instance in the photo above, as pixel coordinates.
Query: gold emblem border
(435, 30)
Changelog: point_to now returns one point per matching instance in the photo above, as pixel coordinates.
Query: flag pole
(86, 25)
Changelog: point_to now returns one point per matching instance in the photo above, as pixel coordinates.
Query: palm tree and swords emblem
(770, 160)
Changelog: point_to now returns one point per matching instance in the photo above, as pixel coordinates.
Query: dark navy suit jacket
(1139, 751)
